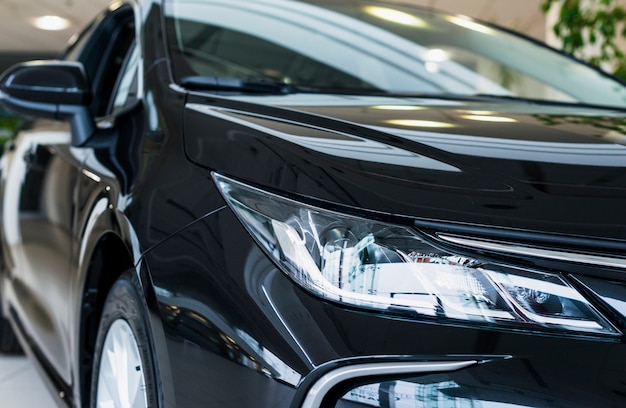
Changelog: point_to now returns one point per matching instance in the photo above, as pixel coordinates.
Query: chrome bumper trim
(318, 391)
(516, 249)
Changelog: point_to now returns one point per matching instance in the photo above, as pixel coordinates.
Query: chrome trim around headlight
(327, 382)
(390, 268)
(517, 249)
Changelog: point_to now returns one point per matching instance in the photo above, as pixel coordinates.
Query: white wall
(519, 15)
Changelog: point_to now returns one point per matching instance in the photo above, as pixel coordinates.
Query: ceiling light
(51, 23)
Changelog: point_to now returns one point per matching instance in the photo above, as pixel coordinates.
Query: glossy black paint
(63, 94)
(232, 330)
(467, 174)
(66, 83)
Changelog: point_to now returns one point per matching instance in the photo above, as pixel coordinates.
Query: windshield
(371, 47)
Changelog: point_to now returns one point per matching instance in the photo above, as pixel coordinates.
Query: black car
(280, 203)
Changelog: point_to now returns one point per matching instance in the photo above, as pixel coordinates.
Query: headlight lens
(374, 265)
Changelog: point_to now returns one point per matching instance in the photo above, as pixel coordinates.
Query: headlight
(380, 266)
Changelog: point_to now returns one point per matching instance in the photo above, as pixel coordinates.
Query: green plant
(598, 23)
(9, 125)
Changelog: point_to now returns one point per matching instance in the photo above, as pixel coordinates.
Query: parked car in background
(280, 203)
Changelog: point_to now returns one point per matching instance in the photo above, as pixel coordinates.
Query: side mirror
(50, 89)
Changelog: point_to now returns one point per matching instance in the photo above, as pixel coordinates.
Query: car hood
(557, 169)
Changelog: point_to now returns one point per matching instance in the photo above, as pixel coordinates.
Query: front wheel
(124, 370)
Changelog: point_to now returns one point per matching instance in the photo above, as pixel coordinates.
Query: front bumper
(232, 321)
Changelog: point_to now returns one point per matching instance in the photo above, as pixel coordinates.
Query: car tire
(8, 341)
(124, 365)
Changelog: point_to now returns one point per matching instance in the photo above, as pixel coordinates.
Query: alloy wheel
(121, 381)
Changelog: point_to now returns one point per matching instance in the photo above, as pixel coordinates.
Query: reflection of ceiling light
(469, 24)
(420, 123)
(432, 67)
(115, 5)
(433, 57)
(51, 23)
(395, 16)
(398, 107)
(436, 55)
(477, 112)
(497, 119)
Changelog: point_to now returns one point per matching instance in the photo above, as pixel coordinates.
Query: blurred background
(22, 34)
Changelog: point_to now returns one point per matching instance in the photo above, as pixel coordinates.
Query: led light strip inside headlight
(374, 265)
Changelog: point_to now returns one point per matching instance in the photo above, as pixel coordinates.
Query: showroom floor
(20, 386)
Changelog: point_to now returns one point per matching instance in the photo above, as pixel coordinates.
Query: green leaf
(546, 6)
(619, 13)
(599, 22)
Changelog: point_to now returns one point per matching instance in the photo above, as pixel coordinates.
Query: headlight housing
(379, 266)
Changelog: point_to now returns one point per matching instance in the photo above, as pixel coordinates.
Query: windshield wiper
(269, 86)
(263, 85)
(248, 85)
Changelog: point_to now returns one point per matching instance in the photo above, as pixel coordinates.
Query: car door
(42, 175)
(40, 202)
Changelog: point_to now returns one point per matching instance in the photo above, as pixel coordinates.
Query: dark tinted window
(102, 49)
(217, 51)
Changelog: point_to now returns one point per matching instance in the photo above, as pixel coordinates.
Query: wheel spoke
(121, 381)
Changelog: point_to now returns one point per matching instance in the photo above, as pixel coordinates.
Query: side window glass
(103, 50)
(78, 43)
(126, 88)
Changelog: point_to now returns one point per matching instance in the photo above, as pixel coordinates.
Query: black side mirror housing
(50, 89)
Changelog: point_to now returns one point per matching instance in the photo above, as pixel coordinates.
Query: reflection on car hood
(514, 165)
